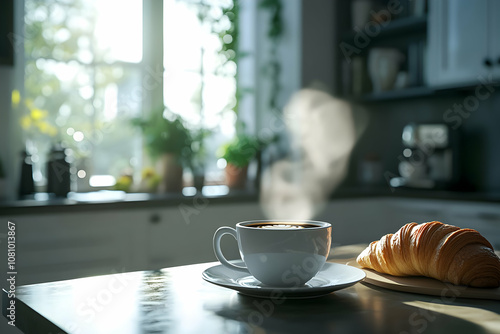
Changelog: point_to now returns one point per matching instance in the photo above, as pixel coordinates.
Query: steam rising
(323, 134)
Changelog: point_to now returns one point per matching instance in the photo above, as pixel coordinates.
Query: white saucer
(332, 277)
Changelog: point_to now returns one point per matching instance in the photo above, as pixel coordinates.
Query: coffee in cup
(281, 225)
(279, 253)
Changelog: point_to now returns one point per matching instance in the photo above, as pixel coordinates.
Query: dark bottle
(26, 183)
(58, 172)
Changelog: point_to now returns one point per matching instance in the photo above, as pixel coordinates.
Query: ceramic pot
(360, 12)
(383, 67)
(236, 177)
(171, 174)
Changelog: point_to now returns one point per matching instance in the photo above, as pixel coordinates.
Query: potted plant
(150, 180)
(168, 141)
(238, 153)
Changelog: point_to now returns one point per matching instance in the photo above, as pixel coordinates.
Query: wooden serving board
(425, 285)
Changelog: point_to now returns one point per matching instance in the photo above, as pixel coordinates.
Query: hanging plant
(275, 30)
(229, 39)
(274, 33)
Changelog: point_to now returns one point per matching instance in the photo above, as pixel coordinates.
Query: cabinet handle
(487, 216)
(155, 218)
(487, 62)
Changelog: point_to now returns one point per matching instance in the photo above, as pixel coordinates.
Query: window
(84, 65)
(193, 35)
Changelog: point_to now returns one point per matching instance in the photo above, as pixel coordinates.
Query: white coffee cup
(279, 253)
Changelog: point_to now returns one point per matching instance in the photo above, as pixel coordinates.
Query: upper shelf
(404, 29)
(397, 94)
(412, 92)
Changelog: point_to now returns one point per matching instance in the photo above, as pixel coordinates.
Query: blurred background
(131, 130)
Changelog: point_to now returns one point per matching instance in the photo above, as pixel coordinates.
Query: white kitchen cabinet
(483, 217)
(183, 234)
(463, 42)
(66, 245)
(360, 220)
(368, 219)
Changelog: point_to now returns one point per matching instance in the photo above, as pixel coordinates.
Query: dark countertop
(178, 300)
(118, 200)
(111, 200)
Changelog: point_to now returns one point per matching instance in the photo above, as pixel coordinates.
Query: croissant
(441, 251)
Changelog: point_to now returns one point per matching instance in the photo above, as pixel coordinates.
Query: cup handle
(218, 253)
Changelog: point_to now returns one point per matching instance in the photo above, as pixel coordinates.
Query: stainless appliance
(429, 157)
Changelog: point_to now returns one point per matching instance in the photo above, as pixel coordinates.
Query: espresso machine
(430, 157)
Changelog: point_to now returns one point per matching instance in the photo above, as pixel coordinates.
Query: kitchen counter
(178, 300)
(110, 200)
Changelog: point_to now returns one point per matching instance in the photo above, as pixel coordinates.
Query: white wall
(11, 77)
(318, 44)
(254, 107)
(6, 74)
(10, 142)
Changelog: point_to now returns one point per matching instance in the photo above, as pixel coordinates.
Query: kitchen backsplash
(479, 136)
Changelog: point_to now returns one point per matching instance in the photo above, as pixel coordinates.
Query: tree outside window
(84, 62)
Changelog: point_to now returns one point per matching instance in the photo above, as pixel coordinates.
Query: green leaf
(162, 135)
(241, 150)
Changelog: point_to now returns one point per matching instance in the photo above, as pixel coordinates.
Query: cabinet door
(183, 235)
(483, 217)
(458, 42)
(63, 246)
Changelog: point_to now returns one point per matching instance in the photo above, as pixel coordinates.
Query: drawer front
(64, 246)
